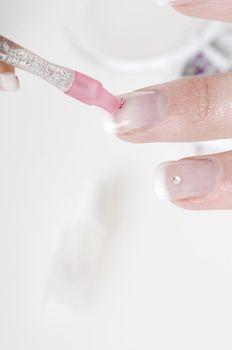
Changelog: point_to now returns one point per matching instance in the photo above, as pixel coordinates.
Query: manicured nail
(163, 2)
(172, 2)
(9, 82)
(186, 179)
(140, 111)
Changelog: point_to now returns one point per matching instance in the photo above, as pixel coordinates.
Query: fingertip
(141, 110)
(9, 82)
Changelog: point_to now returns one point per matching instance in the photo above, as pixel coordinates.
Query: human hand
(186, 110)
(8, 79)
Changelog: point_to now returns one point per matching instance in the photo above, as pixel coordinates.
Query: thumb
(8, 80)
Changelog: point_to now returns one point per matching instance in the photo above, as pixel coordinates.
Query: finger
(191, 109)
(211, 9)
(197, 183)
(8, 79)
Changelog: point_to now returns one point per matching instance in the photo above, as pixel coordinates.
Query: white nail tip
(109, 125)
(163, 2)
(159, 183)
(9, 82)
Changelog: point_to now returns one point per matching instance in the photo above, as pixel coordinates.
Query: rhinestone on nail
(176, 180)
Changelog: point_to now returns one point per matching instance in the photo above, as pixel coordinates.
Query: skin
(220, 10)
(205, 111)
(4, 68)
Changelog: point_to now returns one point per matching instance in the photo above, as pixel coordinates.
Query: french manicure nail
(140, 111)
(163, 2)
(9, 82)
(172, 2)
(186, 179)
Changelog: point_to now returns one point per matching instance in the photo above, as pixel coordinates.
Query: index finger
(190, 109)
(220, 10)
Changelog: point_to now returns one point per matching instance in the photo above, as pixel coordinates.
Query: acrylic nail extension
(9, 82)
(186, 179)
(172, 2)
(141, 110)
(163, 2)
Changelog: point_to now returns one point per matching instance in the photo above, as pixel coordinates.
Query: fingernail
(186, 179)
(163, 2)
(9, 82)
(140, 111)
(172, 2)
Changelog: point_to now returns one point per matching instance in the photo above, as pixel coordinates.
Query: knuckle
(203, 95)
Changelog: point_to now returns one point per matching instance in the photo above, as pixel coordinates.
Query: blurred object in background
(216, 54)
(79, 259)
(132, 36)
(215, 57)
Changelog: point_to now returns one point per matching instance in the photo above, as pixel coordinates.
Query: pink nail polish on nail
(186, 179)
(140, 111)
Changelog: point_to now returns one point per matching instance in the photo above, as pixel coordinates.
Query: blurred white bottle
(76, 264)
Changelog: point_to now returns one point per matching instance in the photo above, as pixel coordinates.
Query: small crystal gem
(176, 180)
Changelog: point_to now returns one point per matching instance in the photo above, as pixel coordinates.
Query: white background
(166, 279)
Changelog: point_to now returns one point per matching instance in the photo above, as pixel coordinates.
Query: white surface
(166, 280)
(119, 28)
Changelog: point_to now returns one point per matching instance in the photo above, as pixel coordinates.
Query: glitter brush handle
(74, 84)
(17, 56)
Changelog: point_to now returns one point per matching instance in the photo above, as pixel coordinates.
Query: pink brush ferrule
(91, 92)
